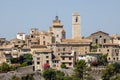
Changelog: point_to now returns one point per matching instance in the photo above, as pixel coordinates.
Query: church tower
(76, 26)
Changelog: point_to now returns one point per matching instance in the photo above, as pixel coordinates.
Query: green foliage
(111, 71)
(80, 69)
(94, 48)
(49, 74)
(28, 77)
(63, 66)
(24, 60)
(116, 77)
(89, 78)
(15, 78)
(24, 64)
(14, 60)
(59, 75)
(102, 59)
(12, 68)
(68, 78)
(4, 67)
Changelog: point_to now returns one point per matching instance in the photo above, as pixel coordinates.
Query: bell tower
(76, 26)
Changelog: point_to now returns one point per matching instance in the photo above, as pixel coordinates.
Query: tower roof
(76, 14)
(57, 22)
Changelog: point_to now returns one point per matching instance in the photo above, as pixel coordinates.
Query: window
(31, 36)
(58, 49)
(100, 36)
(38, 62)
(107, 50)
(54, 65)
(76, 20)
(43, 42)
(57, 35)
(43, 37)
(63, 58)
(38, 58)
(47, 56)
(99, 50)
(96, 41)
(116, 54)
(63, 49)
(113, 58)
(47, 61)
(70, 64)
(117, 58)
(70, 58)
(104, 40)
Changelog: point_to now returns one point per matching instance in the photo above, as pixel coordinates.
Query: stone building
(57, 30)
(3, 42)
(21, 36)
(69, 50)
(76, 26)
(106, 45)
(42, 57)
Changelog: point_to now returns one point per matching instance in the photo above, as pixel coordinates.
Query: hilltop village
(53, 48)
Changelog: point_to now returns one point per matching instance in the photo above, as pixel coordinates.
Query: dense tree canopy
(111, 71)
(80, 69)
(23, 60)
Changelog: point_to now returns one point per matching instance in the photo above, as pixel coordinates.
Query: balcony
(67, 55)
(7, 52)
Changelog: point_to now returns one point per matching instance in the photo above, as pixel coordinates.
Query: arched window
(76, 20)
(43, 42)
(104, 40)
(96, 41)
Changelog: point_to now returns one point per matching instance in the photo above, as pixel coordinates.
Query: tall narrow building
(57, 30)
(76, 26)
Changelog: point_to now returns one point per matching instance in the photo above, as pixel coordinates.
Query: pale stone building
(76, 25)
(3, 42)
(46, 38)
(41, 57)
(106, 45)
(57, 30)
(115, 38)
(111, 49)
(69, 50)
(21, 36)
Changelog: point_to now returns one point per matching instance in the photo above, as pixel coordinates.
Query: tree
(15, 78)
(14, 60)
(110, 71)
(116, 77)
(80, 69)
(59, 75)
(4, 67)
(24, 64)
(89, 78)
(28, 77)
(94, 48)
(102, 59)
(49, 74)
(63, 66)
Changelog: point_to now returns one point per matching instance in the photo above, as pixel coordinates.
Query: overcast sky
(21, 15)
